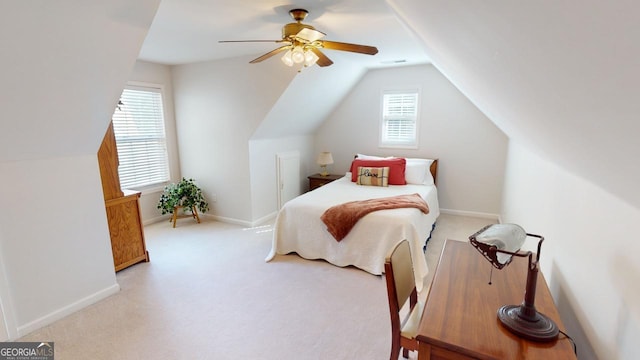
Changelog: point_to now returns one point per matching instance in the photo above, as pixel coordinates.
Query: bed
(299, 228)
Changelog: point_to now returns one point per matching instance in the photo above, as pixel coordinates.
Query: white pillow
(418, 171)
(372, 157)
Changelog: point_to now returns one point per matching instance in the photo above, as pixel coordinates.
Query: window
(399, 125)
(138, 124)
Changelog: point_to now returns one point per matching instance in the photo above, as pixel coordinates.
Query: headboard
(434, 171)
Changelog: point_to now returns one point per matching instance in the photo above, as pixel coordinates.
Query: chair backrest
(398, 263)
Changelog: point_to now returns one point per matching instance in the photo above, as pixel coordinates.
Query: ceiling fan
(302, 44)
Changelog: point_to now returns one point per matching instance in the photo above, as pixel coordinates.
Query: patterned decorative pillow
(396, 169)
(374, 176)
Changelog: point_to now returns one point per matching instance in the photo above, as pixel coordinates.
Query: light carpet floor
(208, 294)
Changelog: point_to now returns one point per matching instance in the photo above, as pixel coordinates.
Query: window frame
(158, 88)
(414, 143)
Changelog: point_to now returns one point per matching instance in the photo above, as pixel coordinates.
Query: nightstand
(317, 180)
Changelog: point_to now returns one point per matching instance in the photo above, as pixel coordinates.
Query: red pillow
(396, 169)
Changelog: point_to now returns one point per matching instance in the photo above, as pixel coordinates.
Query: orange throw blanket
(340, 219)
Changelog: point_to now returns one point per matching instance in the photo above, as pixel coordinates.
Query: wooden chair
(401, 285)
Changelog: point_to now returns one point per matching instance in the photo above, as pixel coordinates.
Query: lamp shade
(324, 158)
(286, 58)
(506, 237)
(297, 55)
(310, 58)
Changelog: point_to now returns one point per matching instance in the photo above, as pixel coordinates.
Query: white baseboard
(265, 219)
(156, 219)
(472, 214)
(67, 310)
(228, 220)
(244, 223)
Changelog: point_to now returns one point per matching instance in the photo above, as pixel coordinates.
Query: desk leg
(424, 351)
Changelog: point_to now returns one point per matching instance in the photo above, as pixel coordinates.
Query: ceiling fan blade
(362, 49)
(323, 60)
(270, 54)
(310, 35)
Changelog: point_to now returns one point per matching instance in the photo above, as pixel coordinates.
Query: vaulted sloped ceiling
(560, 77)
(80, 67)
(309, 99)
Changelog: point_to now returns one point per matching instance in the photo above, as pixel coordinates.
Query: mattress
(298, 227)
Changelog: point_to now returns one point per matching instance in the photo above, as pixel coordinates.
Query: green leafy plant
(186, 194)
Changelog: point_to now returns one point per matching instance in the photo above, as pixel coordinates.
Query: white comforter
(298, 227)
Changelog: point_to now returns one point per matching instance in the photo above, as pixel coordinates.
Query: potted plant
(186, 195)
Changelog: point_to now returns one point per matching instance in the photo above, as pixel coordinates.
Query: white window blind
(138, 124)
(399, 119)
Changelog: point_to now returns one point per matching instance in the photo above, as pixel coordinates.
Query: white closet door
(288, 176)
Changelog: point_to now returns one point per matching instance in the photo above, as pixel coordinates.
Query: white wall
(160, 75)
(218, 106)
(589, 256)
(8, 328)
(69, 65)
(63, 66)
(558, 79)
(261, 152)
(57, 263)
(470, 149)
(304, 104)
(263, 170)
(559, 76)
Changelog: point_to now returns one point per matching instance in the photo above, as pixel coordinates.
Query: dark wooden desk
(460, 321)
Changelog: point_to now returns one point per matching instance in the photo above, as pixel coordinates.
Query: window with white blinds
(399, 125)
(138, 124)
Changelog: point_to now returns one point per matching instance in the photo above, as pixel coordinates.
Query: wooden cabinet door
(125, 227)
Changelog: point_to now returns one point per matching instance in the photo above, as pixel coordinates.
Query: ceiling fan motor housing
(298, 14)
(290, 30)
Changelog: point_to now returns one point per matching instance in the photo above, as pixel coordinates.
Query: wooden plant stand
(194, 214)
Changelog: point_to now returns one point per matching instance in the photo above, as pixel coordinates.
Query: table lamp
(499, 243)
(324, 159)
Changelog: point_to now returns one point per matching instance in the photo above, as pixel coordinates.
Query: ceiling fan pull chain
(490, 274)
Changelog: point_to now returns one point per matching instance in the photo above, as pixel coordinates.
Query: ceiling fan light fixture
(287, 58)
(297, 55)
(310, 58)
(302, 44)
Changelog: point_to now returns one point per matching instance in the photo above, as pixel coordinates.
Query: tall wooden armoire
(123, 209)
